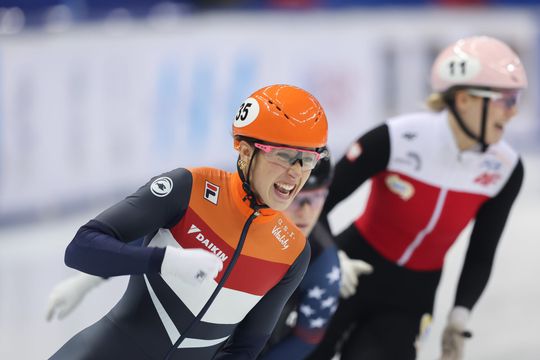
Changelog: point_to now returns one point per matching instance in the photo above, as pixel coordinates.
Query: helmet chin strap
(480, 139)
(250, 195)
(485, 103)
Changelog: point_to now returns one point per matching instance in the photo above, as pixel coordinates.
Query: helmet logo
(248, 112)
(459, 68)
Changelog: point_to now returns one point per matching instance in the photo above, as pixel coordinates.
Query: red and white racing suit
(424, 192)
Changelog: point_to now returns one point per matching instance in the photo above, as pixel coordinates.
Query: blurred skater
(432, 173)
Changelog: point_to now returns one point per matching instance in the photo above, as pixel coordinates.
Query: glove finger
(361, 267)
(209, 263)
(350, 277)
(347, 293)
(347, 290)
(213, 261)
(52, 307)
(342, 256)
(50, 312)
(215, 272)
(64, 311)
(220, 265)
(343, 293)
(349, 287)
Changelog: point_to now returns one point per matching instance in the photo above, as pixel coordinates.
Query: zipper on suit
(224, 278)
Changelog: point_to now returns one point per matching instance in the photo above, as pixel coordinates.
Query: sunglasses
(314, 198)
(506, 98)
(287, 156)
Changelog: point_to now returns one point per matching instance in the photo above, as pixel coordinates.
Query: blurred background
(98, 96)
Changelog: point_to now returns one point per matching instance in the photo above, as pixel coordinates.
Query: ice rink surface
(505, 323)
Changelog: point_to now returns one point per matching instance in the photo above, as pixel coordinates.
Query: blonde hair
(436, 102)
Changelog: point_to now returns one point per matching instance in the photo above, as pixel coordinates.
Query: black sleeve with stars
(315, 301)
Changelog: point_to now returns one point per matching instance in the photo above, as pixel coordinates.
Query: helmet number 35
(243, 111)
(248, 112)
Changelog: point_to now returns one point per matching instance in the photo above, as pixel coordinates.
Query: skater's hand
(67, 294)
(455, 333)
(351, 269)
(191, 265)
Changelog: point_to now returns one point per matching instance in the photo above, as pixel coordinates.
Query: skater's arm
(489, 225)
(100, 246)
(365, 158)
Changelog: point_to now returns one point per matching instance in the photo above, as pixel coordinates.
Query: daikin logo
(206, 242)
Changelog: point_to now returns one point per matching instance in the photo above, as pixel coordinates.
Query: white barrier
(100, 109)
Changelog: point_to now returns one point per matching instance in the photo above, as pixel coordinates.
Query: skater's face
(501, 109)
(306, 209)
(275, 184)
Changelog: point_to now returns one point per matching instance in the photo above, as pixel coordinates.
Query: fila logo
(211, 192)
(206, 242)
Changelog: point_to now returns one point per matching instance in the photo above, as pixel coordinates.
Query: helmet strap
(480, 139)
(250, 195)
(485, 103)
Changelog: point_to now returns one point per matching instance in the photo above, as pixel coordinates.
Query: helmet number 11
(462, 65)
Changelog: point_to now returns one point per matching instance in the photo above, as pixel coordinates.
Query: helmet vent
(318, 116)
(278, 108)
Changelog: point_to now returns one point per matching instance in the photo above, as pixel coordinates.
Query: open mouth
(284, 190)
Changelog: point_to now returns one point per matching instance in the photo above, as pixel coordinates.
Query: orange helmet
(282, 114)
